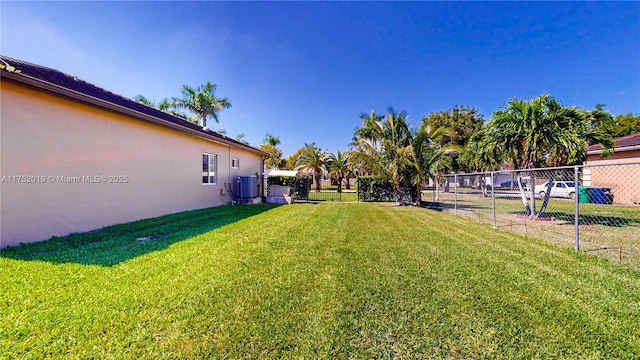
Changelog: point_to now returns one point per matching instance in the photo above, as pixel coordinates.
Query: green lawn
(328, 280)
(610, 231)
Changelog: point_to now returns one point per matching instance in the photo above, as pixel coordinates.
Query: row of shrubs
(370, 188)
(376, 189)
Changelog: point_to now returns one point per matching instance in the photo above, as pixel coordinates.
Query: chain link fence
(594, 209)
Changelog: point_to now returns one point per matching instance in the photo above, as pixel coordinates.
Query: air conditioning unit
(247, 187)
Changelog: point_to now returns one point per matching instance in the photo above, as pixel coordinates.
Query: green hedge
(376, 189)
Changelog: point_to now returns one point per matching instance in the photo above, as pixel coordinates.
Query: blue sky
(305, 71)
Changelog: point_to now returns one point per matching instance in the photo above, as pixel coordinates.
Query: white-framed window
(209, 169)
(235, 163)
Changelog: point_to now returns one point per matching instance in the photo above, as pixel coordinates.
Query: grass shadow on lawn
(588, 219)
(463, 205)
(117, 243)
(585, 218)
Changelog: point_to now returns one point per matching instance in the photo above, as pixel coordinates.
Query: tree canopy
(291, 160)
(165, 105)
(202, 102)
(270, 146)
(341, 167)
(272, 139)
(314, 160)
(624, 125)
(540, 132)
(388, 146)
(461, 124)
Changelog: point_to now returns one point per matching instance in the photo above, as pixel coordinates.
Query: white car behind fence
(562, 189)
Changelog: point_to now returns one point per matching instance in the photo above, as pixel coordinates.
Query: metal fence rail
(307, 188)
(594, 209)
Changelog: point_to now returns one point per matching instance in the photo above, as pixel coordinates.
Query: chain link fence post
(455, 194)
(576, 212)
(493, 201)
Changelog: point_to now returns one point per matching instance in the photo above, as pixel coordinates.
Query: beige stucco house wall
(620, 171)
(69, 166)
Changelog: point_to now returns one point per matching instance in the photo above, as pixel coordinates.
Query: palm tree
(427, 155)
(482, 153)
(366, 150)
(143, 100)
(341, 167)
(272, 140)
(371, 128)
(530, 133)
(240, 138)
(366, 157)
(202, 102)
(384, 143)
(389, 147)
(314, 160)
(593, 130)
(165, 105)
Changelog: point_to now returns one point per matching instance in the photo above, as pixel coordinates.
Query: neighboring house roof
(70, 86)
(625, 143)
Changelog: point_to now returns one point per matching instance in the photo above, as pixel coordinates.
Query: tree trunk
(418, 199)
(437, 185)
(317, 177)
(547, 196)
(483, 186)
(348, 185)
(399, 195)
(532, 193)
(525, 202)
